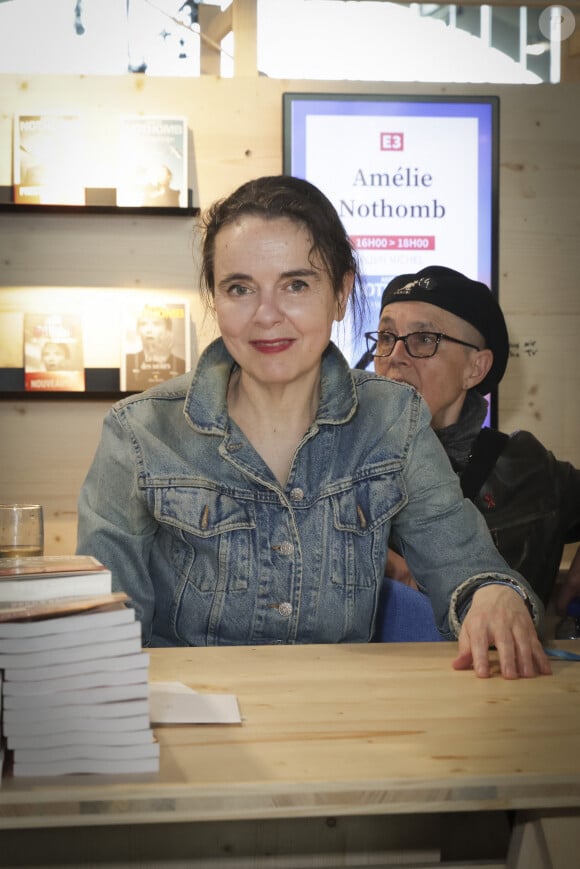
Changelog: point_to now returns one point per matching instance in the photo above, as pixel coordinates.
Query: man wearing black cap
(446, 335)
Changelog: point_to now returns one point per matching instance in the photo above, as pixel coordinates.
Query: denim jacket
(214, 551)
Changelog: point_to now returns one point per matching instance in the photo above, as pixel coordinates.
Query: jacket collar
(205, 403)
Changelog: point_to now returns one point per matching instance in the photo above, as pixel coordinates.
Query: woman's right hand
(398, 569)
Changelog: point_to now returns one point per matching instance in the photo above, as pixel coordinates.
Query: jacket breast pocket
(362, 514)
(212, 535)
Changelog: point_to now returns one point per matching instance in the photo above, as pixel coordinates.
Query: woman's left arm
(498, 616)
(475, 595)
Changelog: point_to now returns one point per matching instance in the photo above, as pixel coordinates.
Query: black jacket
(531, 503)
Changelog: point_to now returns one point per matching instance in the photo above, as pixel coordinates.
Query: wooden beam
(241, 17)
(213, 26)
(245, 27)
(214, 23)
(571, 55)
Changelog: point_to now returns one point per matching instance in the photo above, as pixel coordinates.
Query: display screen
(414, 180)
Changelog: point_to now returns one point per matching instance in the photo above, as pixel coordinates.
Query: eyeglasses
(419, 345)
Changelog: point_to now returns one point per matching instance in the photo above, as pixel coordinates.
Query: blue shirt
(214, 551)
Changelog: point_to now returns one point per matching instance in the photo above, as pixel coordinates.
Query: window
(366, 40)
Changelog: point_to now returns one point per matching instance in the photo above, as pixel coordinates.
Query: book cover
(152, 162)
(54, 565)
(38, 610)
(26, 581)
(115, 614)
(53, 352)
(156, 344)
(49, 159)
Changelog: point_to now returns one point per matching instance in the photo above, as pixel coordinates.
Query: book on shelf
(155, 343)
(48, 159)
(44, 577)
(53, 352)
(152, 161)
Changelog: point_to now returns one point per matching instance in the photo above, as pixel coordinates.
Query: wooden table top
(336, 730)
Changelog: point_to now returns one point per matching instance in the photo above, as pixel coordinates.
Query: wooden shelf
(100, 383)
(25, 208)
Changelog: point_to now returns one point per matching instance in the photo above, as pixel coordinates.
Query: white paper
(176, 703)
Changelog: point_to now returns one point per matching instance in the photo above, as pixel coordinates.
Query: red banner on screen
(393, 242)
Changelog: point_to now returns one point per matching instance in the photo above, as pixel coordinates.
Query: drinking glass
(21, 530)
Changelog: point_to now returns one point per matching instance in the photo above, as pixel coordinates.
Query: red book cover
(53, 353)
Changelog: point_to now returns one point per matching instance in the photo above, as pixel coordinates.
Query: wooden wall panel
(46, 446)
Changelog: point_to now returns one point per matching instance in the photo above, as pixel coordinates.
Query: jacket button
(296, 494)
(285, 548)
(285, 609)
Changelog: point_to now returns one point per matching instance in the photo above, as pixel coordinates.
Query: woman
(251, 501)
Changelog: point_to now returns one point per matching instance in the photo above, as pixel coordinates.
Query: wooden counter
(339, 731)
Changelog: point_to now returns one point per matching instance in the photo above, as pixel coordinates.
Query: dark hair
(277, 196)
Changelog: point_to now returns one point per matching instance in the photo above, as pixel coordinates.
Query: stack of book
(74, 679)
(45, 578)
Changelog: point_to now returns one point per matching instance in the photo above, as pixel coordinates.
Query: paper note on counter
(176, 703)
